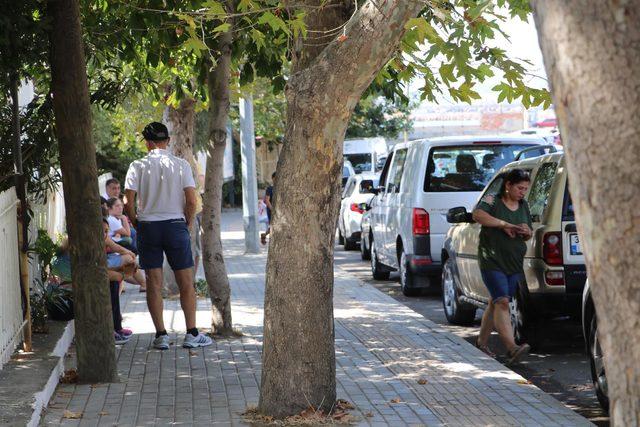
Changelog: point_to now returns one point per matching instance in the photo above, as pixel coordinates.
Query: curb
(41, 398)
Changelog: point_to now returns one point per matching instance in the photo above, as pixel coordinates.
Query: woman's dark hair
(112, 201)
(514, 176)
(105, 220)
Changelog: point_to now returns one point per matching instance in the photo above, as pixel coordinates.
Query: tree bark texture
(326, 84)
(592, 55)
(93, 322)
(181, 122)
(212, 256)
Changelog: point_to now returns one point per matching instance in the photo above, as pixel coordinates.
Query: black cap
(155, 131)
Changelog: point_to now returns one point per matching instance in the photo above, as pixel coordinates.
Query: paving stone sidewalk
(395, 366)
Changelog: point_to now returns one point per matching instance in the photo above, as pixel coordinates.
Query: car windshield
(467, 167)
(361, 162)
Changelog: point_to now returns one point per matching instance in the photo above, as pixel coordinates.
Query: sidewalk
(385, 353)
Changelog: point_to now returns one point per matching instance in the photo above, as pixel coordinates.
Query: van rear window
(467, 167)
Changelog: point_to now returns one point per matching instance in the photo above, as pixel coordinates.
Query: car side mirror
(459, 215)
(377, 190)
(366, 186)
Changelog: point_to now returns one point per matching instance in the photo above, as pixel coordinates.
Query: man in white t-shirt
(166, 203)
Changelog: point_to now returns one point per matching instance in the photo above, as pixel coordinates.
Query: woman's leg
(502, 322)
(486, 327)
(114, 288)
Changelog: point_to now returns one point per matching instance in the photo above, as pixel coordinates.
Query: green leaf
(222, 28)
(274, 22)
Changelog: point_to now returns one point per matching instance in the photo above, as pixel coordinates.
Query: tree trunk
(212, 256)
(592, 55)
(181, 122)
(93, 322)
(326, 84)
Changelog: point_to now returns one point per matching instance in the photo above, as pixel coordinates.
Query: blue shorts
(170, 237)
(114, 260)
(499, 284)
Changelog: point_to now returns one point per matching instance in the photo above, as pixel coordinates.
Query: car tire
(349, 244)
(456, 311)
(365, 252)
(377, 270)
(523, 322)
(596, 361)
(407, 278)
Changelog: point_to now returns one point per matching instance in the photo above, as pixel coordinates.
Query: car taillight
(357, 207)
(552, 248)
(554, 278)
(420, 221)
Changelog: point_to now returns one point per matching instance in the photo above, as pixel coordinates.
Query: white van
(364, 154)
(419, 183)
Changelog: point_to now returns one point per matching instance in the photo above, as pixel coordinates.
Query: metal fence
(11, 319)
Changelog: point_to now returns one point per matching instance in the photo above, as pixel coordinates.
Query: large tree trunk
(181, 123)
(93, 322)
(326, 84)
(212, 256)
(592, 55)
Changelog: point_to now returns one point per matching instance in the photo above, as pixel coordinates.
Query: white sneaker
(161, 343)
(201, 340)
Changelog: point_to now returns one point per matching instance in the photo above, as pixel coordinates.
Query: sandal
(485, 349)
(518, 352)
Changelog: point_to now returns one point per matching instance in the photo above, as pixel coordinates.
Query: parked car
(554, 268)
(347, 171)
(357, 192)
(594, 350)
(419, 182)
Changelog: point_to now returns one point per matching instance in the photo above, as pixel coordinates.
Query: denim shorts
(114, 260)
(170, 237)
(499, 284)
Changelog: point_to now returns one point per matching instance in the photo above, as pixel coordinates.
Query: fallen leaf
(396, 400)
(422, 381)
(103, 413)
(70, 376)
(193, 353)
(368, 414)
(344, 405)
(523, 381)
(71, 415)
(342, 38)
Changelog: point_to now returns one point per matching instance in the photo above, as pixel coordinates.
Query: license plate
(574, 244)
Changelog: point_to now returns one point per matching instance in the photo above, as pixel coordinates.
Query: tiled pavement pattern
(385, 352)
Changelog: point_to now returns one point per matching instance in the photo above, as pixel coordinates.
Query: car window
(395, 175)
(361, 162)
(466, 167)
(539, 193)
(385, 170)
(494, 187)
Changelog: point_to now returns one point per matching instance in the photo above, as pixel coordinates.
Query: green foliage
(202, 288)
(45, 248)
(377, 116)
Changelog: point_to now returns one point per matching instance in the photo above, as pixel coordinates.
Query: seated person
(120, 230)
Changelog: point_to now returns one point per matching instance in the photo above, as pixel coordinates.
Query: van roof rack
(551, 147)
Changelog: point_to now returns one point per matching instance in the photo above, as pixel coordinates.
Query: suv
(420, 181)
(594, 350)
(554, 268)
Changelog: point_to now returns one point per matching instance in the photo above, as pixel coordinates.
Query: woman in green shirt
(506, 225)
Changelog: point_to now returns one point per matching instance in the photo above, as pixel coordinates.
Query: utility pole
(249, 180)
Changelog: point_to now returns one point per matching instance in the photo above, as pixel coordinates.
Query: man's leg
(154, 297)
(184, 278)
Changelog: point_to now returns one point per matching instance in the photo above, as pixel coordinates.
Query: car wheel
(377, 270)
(456, 312)
(365, 252)
(596, 360)
(522, 322)
(349, 244)
(407, 279)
